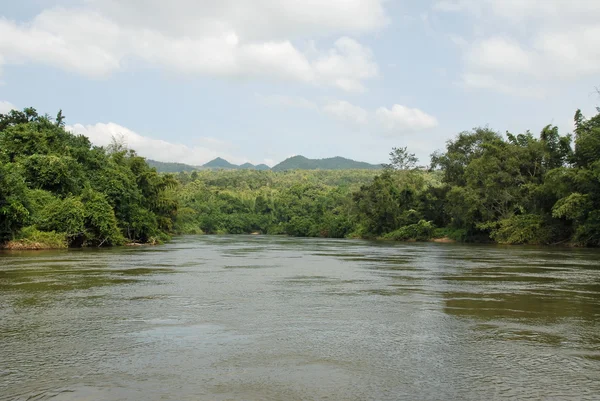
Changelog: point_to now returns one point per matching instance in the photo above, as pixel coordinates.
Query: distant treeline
(513, 189)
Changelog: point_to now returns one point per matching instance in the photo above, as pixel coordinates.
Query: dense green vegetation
(56, 189)
(299, 202)
(515, 189)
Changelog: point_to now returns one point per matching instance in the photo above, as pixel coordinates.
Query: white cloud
(101, 134)
(347, 65)
(498, 53)
(519, 10)
(5, 106)
(255, 20)
(541, 43)
(383, 121)
(483, 81)
(401, 119)
(80, 42)
(206, 37)
(345, 111)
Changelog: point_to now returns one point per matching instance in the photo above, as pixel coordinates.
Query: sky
(259, 81)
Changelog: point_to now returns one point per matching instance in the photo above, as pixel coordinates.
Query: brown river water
(271, 318)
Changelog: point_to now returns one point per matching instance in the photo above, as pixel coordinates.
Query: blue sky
(259, 81)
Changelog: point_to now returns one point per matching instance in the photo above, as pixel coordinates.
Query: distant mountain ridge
(219, 163)
(331, 163)
(163, 167)
(291, 163)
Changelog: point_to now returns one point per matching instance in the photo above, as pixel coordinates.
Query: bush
(32, 238)
(335, 226)
(588, 234)
(64, 215)
(301, 227)
(522, 229)
(101, 227)
(455, 234)
(143, 226)
(422, 231)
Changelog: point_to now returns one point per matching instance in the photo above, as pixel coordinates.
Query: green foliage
(391, 201)
(13, 211)
(588, 233)
(301, 227)
(421, 231)
(400, 159)
(522, 229)
(572, 207)
(101, 225)
(64, 215)
(301, 203)
(454, 234)
(32, 238)
(53, 180)
(57, 174)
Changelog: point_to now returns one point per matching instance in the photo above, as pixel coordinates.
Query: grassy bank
(33, 239)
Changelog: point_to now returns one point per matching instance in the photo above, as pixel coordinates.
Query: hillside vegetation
(332, 163)
(164, 167)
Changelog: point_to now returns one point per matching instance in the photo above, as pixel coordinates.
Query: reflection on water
(269, 318)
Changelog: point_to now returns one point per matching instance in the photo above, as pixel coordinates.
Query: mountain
(332, 163)
(220, 163)
(293, 163)
(163, 167)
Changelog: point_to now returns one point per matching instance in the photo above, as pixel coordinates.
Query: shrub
(421, 231)
(32, 238)
(100, 222)
(455, 234)
(522, 229)
(64, 215)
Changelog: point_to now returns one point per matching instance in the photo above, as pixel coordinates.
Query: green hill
(163, 167)
(219, 163)
(293, 163)
(332, 163)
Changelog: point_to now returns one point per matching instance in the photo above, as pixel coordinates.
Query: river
(273, 318)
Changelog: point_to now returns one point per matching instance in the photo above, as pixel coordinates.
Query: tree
(60, 119)
(400, 159)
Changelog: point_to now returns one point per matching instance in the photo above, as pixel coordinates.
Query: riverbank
(57, 243)
(28, 245)
(33, 239)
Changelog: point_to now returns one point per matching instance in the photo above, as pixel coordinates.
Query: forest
(58, 190)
